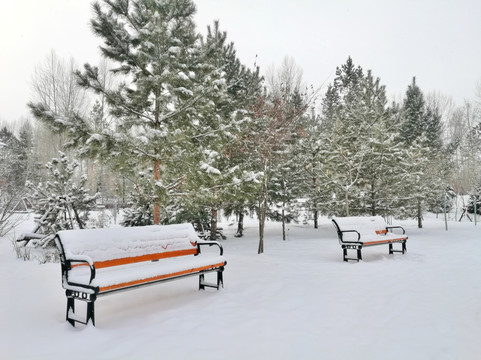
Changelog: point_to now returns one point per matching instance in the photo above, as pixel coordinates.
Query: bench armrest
(340, 233)
(210, 243)
(349, 231)
(396, 227)
(82, 259)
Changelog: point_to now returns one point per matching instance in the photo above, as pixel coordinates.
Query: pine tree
(244, 86)
(156, 48)
(216, 170)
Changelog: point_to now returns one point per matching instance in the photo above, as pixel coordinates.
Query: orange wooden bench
(357, 232)
(97, 262)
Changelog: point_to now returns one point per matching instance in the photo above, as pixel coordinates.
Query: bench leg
(220, 281)
(392, 251)
(91, 312)
(71, 317)
(201, 282)
(70, 310)
(346, 259)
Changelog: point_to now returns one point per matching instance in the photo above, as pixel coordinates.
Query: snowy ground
(296, 301)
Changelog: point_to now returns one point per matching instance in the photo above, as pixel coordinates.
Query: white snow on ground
(296, 301)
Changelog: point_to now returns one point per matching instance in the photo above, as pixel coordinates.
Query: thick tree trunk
(316, 223)
(260, 250)
(283, 224)
(156, 200)
(240, 225)
(213, 224)
(420, 215)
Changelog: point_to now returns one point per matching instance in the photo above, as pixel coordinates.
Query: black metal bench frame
(358, 245)
(89, 293)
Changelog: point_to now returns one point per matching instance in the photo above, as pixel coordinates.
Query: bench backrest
(367, 226)
(117, 246)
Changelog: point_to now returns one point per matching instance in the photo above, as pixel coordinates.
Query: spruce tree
(14, 158)
(414, 113)
(475, 200)
(421, 132)
(360, 158)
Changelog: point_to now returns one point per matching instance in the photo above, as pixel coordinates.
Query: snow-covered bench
(98, 262)
(356, 232)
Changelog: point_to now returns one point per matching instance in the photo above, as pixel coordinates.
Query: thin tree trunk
(347, 203)
(316, 223)
(373, 200)
(157, 200)
(263, 203)
(283, 223)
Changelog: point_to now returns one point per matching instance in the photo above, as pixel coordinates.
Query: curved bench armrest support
(396, 227)
(210, 243)
(351, 231)
(340, 233)
(82, 259)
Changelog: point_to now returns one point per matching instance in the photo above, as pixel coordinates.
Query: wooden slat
(149, 257)
(160, 277)
(384, 241)
(136, 259)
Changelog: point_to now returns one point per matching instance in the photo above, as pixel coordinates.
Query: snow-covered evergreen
(192, 131)
(62, 202)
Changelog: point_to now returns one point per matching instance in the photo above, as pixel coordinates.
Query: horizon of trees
(179, 129)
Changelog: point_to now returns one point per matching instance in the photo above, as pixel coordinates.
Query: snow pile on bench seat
(117, 243)
(144, 271)
(368, 227)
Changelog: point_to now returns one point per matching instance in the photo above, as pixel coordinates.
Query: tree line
(180, 129)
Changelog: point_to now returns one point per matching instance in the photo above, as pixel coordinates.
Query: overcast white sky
(438, 41)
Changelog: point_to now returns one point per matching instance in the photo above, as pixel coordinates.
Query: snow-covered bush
(101, 220)
(475, 197)
(61, 202)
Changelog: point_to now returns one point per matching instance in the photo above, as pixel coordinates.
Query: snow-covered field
(296, 301)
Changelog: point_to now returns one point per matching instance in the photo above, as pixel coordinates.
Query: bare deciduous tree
(54, 84)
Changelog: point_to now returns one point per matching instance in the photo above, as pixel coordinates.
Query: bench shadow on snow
(157, 303)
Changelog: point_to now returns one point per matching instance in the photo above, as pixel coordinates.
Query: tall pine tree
(155, 47)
